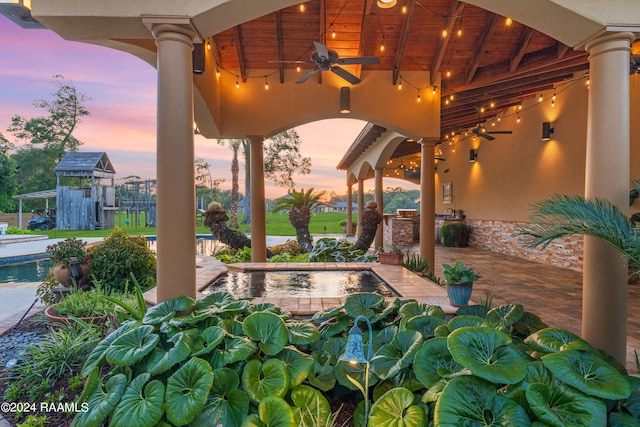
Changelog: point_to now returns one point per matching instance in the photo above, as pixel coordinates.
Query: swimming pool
(299, 283)
(31, 271)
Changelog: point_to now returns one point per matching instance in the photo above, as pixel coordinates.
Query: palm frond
(562, 216)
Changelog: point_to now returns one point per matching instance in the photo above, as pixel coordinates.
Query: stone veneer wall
(500, 236)
(397, 232)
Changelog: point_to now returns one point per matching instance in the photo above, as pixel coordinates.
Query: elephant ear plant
(233, 363)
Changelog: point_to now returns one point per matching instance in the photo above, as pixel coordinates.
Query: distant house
(87, 205)
(338, 207)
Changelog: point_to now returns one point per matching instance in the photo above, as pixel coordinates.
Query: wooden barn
(84, 203)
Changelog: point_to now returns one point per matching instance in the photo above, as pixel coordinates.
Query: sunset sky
(122, 123)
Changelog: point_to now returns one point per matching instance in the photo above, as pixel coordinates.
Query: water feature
(205, 246)
(296, 284)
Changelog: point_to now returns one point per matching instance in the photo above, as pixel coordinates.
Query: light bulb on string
(448, 73)
(508, 21)
(266, 83)
(492, 105)
(237, 83)
(451, 97)
(218, 72)
(444, 34)
(302, 7)
(400, 85)
(298, 68)
(333, 33)
(518, 119)
(482, 109)
(419, 100)
(446, 102)
(404, 9)
(459, 32)
(434, 90)
(540, 97)
(382, 47)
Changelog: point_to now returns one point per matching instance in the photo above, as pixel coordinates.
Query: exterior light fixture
(354, 355)
(473, 155)
(19, 11)
(345, 100)
(197, 57)
(386, 4)
(547, 130)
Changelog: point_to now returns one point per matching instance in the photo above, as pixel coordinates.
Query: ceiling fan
(482, 132)
(329, 60)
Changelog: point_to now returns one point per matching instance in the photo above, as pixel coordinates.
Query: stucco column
(176, 228)
(349, 210)
(427, 203)
(604, 293)
(379, 240)
(258, 216)
(360, 203)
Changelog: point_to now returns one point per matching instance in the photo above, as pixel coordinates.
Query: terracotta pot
(62, 273)
(53, 316)
(393, 259)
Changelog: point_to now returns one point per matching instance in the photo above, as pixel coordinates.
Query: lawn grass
(277, 225)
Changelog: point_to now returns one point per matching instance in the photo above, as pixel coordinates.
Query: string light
(459, 32)
(482, 109)
(553, 99)
(302, 7)
(266, 83)
(446, 102)
(237, 83)
(400, 85)
(508, 21)
(382, 47)
(518, 118)
(434, 90)
(333, 32)
(519, 107)
(208, 45)
(404, 9)
(419, 100)
(451, 97)
(540, 97)
(298, 68)
(444, 34)
(217, 72)
(448, 73)
(492, 105)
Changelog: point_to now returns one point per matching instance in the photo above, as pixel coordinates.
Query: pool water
(204, 246)
(244, 284)
(31, 271)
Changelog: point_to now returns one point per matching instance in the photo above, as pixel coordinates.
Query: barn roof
(82, 163)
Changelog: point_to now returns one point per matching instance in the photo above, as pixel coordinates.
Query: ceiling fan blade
(322, 50)
(345, 75)
(366, 60)
(292, 62)
(486, 136)
(308, 75)
(502, 132)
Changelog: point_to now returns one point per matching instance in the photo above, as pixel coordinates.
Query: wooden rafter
(523, 45)
(397, 61)
(237, 32)
(482, 45)
(455, 10)
(323, 29)
(280, 45)
(562, 50)
(367, 6)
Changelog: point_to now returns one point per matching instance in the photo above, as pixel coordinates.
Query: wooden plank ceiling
(482, 58)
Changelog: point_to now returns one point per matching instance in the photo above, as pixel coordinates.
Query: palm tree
(563, 216)
(300, 204)
(234, 144)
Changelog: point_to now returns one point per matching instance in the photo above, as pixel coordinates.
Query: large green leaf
(132, 346)
(334, 325)
(622, 419)
(140, 402)
(536, 373)
(477, 310)
(232, 350)
(325, 314)
(311, 407)
(384, 336)
(273, 411)
(322, 378)
(588, 373)
(343, 370)
(632, 403)
(232, 327)
(299, 365)
(473, 402)
(528, 324)
(101, 402)
(434, 362)
(224, 310)
(162, 360)
(396, 408)
(215, 298)
(414, 308)
(505, 315)
(209, 340)
(302, 333)
(550, 340)
(425, 324)
(487, 353)
(561, 406)
(187, 391)
(265, 379)
(98, 354)
(390, 359)
(166, 310)
(226, 405)
(363, 304)
(461, 321)
(334, 348)
(269, 329)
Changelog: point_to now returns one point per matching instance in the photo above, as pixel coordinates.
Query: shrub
(118, 257)
(68, 248)
(455, 234)
(89, 303)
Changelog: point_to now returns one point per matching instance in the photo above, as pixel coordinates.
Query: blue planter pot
(459, 293)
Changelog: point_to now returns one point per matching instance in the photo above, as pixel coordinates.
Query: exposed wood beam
(240, 51)
(323, 30)
(482, 45)
(523, 45)
(455, 10)
(367, 6)
(404, 34)
(280, 45)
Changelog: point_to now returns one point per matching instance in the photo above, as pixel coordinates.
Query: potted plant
(343, 224)
(459, 283)
(69, 261)
(393, 257)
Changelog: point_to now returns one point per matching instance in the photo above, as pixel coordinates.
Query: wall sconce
(547, 130)
(345, 100)
(197, 57)
(386, 4)
(473, 155)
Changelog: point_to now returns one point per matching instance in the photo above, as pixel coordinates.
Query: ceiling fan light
(386, 4)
